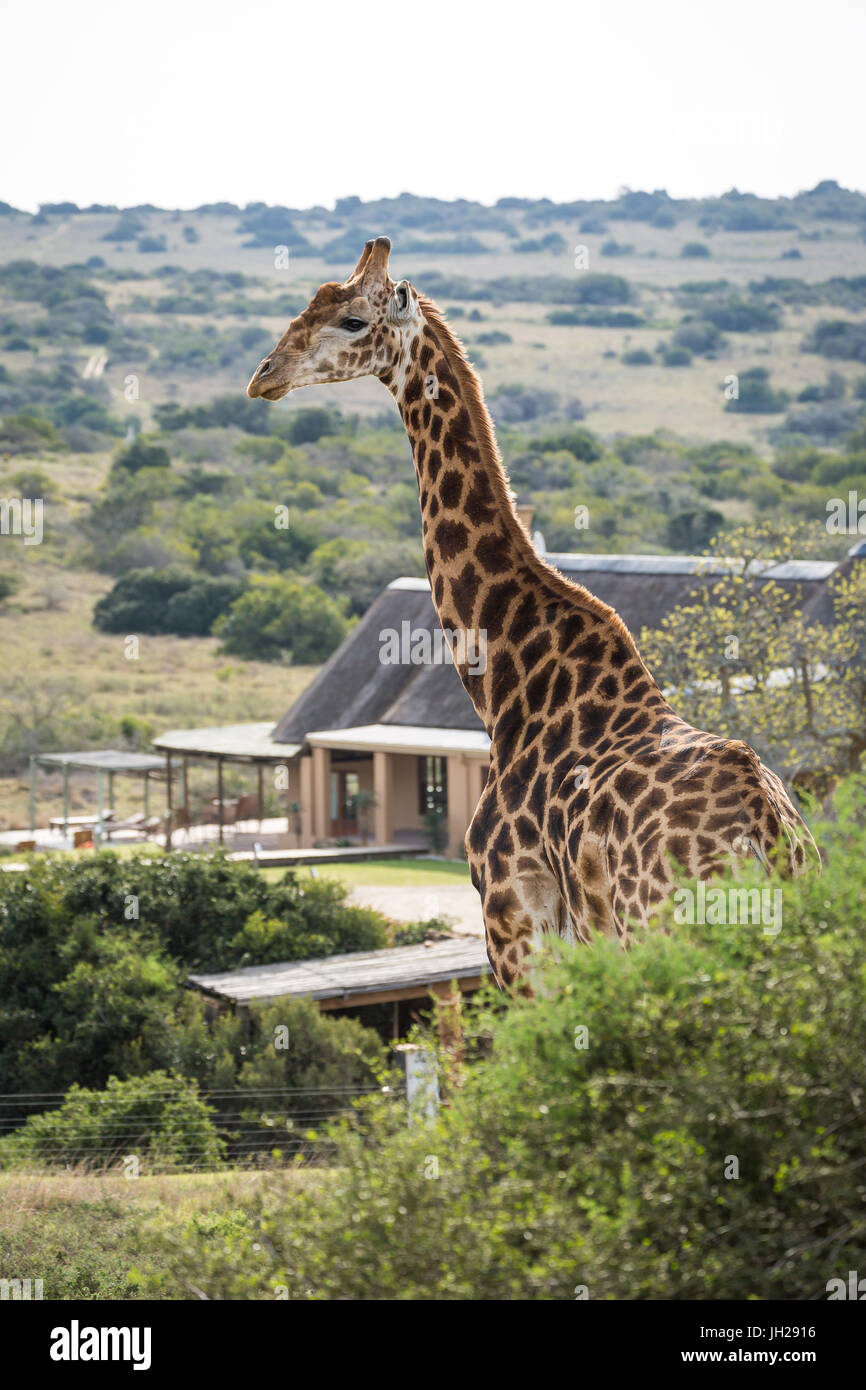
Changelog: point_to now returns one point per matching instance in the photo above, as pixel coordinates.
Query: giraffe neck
(537, 630)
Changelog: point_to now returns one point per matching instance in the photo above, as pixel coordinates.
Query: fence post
(422, 1081)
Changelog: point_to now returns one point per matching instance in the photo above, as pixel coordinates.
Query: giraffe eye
(353, 325)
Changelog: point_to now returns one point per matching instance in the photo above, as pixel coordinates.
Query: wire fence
(244, 1128)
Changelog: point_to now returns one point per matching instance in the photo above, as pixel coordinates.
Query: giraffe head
(355, 329)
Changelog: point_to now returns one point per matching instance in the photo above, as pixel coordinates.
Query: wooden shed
(359, 978)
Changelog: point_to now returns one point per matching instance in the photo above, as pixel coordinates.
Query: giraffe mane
(472, 394)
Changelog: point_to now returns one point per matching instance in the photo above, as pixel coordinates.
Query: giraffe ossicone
(598, 795)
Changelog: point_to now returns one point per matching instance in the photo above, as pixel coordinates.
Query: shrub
(165, 601)
(737, 315)
(676, 357)
(312, 422)
(596, 318)
(833, 389)
(28, 433)
(838, 338)
(694, 250)
(89, 990)
(577, 440)
(756, 395)
(691, 531)
(158, 1117)
(594, 1145)
(829, 420)
(699, 336)
(360, 570)
(141, 453)
(279, 619)
(127, 228)
(637, 357)
(514, 404)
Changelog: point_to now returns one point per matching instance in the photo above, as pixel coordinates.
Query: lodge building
(406, 731)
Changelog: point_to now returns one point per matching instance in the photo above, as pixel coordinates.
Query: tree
(756, 396)
(739, 659)
(359, 570)
(142, 454)
(280, 619)
(165, 600)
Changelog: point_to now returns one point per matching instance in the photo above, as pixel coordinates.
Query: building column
(321, 793)
(383, 821)
(460, 803)
(305, 796)
(478, 780)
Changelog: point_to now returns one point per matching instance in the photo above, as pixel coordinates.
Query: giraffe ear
(402, 304)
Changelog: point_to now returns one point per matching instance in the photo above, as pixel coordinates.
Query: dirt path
(460, 903)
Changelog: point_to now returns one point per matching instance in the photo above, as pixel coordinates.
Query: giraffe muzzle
(268, 382)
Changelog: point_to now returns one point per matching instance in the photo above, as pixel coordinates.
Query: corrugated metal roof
(359, 972)
(106, 760)
(250, 741)
(357, 690)
(808, 571)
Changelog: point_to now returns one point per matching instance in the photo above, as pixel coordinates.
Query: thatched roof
(355, 688)
(645, 588)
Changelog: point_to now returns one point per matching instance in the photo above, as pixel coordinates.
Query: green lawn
(401, 873)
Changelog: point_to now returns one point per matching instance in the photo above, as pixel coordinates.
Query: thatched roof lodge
(407, 732)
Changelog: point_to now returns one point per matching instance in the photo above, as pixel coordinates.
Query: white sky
(181, 102)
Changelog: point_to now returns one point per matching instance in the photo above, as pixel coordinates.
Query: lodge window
(432, 785)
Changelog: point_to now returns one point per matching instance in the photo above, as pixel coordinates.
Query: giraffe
(598, 796)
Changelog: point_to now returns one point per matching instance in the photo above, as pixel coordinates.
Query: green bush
(700, 337)
(682, 1121)
(676, 357)
(165, 601)
(142, 454)
(158, 1117)
(838, 338)
(738, 315)
(280, 619)
(756, 395)
(93, 954)
(691, 530)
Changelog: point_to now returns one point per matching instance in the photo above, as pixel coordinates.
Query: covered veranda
(102, 824)
(247, 745)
